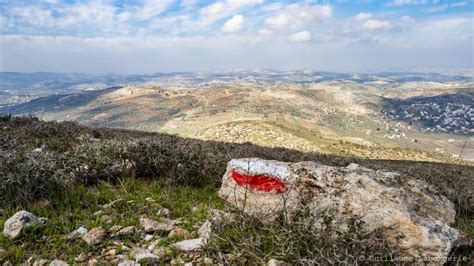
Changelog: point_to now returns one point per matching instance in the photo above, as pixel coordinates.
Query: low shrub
(39, 159)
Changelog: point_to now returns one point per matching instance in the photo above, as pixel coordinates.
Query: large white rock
(396, 204)
(57, 262)
(144, 256)
(19, 221)
(190, 245)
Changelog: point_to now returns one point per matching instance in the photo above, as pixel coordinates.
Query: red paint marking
(259, 182)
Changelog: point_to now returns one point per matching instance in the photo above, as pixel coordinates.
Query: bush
(296, 239)
(40, 159)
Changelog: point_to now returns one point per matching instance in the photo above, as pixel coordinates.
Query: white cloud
(93, 13)
(34, 16)
(236, 23)
(221, 9)
(151, 8)
(298, 15)
(265, 32)
(407, 2)
(375, 24)
(442, 7)
(363, 16)
(303, 36)
(187, 3)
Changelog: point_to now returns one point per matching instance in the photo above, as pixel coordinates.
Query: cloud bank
(102, 36)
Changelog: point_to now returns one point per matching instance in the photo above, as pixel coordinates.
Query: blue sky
(140, 36)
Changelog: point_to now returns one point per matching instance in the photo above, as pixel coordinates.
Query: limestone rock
(178, 232)
(191, 244)
(128, 263)
(207, 261)
(79, 232)
(148, 238)
(41, 262)
(106, 219)
(19, 221)
(164, 212)
(58, 263)
(205, 231)
(144, 256)
(395, 204)
(150, 226)
(95, 236)
(115, 228)
(275, 262)
(127, 231)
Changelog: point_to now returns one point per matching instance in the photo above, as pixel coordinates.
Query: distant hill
(319, 115)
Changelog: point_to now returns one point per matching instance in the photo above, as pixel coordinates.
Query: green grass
(76, 209)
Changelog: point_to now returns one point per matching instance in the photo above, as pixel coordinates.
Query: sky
(149, 36)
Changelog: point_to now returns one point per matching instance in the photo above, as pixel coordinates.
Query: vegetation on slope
(75, 169)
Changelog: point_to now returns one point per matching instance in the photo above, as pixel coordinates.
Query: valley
(377, 117)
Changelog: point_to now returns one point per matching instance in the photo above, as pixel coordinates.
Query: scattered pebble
(94, 236)
(58, 263)
(205, 231)
(178, 232)
(127, 231)
(106, 219)
(190, 244)
(79, 232)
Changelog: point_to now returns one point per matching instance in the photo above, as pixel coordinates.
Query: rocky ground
(115, 224)
(76, 195)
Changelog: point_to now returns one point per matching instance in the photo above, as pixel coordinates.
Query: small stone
(177, 261)
(97, 213)
(93, 262)
(28, 262)
(159, 252)
(207, 261)
(112, 252)
(205, 231)
(40, 262)
(128, 263)
(106, 219)
(178, 232)
(275, 262)
(115, 228)
(170, 222)
(148, 237)
(164, 212)
(19, 221)
(95, 236)
(127, 231)
(144, 255)
(150, 226)
(58, 263)
(122, 256)
(79, 232)
(151, 247)
(81, 258)
(191, 244)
